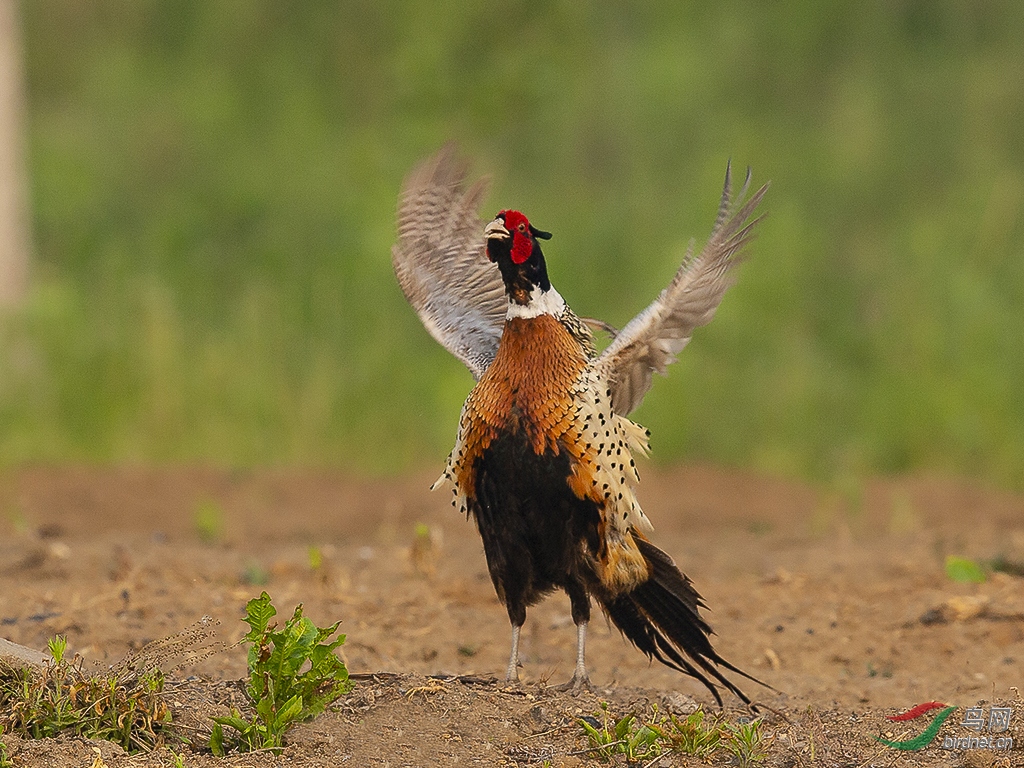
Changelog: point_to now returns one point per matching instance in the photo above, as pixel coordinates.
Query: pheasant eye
(521, 227)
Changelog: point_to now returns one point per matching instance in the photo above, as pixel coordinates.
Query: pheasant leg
(580, 680)
(512, 674)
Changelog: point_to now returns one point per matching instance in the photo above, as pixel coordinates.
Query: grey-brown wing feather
(441, 263)
(652, 339)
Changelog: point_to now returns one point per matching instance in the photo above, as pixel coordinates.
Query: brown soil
(838, 600)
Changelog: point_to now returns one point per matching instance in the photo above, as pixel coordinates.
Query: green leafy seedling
(294, 675)
(5, 760)
(315, 557)
(254, 574)
(627, 736)
(693, 736)
(964, 571)
(746, 742)
(697, 735)
(209, 521)
(58, 646)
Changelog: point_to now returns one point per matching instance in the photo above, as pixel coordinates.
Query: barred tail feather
(661, 618)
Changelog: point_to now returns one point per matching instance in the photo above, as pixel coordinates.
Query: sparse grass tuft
(963, 571)
(123, 706)
(697, 734)
(746, 742)
(627, 736)
(693, 736)
(209, 521)
(5, 761)
(254, 574)
(315, 557)
(294, 675)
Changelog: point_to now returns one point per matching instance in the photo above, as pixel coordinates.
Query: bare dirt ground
(837, 600)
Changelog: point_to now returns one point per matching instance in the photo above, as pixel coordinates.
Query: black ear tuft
(539, 233)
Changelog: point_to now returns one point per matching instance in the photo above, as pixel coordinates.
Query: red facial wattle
(521, 248)
(519, 226)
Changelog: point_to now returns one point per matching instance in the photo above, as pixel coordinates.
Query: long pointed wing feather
(440, 262)
(652, 339)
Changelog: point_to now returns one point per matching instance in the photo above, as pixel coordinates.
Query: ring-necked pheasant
(543, 457)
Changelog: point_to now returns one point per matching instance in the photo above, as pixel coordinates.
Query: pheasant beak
(496, 231)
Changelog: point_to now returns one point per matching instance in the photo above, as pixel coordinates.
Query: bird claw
(576, 685)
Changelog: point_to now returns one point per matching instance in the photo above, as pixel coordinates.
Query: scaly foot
(578, 683)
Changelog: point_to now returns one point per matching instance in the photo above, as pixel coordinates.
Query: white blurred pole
(14, 222)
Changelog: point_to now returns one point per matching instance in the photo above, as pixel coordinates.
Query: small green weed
(746, 742)
(254, 574)
(626, 736)
(425, 550)
(693, 736)
(315, 558)
(5, 761)
(123, 706)
(962, 570)
(280, 692)
(697, 735)
(209, 521)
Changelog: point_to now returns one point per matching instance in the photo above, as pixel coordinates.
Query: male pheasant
(543, 460)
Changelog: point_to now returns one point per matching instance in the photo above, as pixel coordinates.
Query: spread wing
(652, 339)
(441, 264)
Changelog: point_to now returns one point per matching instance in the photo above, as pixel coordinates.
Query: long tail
(661, 617)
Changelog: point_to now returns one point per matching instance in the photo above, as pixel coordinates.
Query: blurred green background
(214, 185)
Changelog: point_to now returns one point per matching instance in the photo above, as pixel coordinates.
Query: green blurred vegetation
(214, 186)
